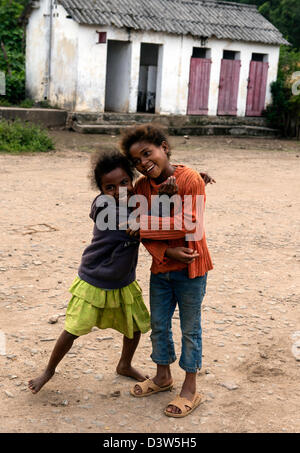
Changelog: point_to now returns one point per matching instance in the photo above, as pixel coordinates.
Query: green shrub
(284, 111)
(12, 55)
(44, 104)
(18, 137)
(4, 102)
(27, 104)
(277, 112)
(15, 87)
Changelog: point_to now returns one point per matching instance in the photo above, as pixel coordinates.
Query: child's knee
(69, 336)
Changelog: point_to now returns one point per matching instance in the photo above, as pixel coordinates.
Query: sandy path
(250, 313)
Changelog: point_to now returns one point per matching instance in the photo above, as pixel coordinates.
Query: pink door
(229, 87)
(199, 86)
(257, 84)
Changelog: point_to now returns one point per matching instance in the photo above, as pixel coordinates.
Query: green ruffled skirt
(120, 309)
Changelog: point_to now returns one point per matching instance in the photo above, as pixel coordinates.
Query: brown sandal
(183, 404)
(149, 387)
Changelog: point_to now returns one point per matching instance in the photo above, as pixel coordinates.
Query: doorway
(117, 76)
(148, 78)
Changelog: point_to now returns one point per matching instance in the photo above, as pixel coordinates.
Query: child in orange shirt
(179, 267)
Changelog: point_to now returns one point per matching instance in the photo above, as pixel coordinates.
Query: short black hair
(150, 133)
(105, 161)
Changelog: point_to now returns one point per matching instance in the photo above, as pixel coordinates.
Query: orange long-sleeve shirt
(157, 241)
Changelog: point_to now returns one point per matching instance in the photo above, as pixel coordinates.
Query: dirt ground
(251, 317)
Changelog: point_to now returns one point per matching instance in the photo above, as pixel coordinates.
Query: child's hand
(133, 233)
(123, 225)
(169, 187)
(182, 254)
(207, 179)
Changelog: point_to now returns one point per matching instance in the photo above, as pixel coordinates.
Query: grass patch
(18, 137)
(27, 104)
(4, 103)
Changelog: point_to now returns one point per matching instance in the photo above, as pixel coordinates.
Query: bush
(284, 111)
(4, 102)
(27, 104)
(15, 87)
(44, 105)
(12, 56)
(18, 136)
(277, 112)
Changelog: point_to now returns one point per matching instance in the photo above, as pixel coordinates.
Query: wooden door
(199, 86)
(229, 87)
(257, 85)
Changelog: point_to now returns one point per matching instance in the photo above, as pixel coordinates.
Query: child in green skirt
(105, 293)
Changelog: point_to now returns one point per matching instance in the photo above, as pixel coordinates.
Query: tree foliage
(284, 14)
(12, 58)
(284, 111)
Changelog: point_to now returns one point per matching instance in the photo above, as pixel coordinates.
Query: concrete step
(166, 120)
(211, 129)
(115, 118)
(108, 129)
(216, 129)
(107, 123)
(44, 117)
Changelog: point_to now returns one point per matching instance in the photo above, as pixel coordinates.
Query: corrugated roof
(200, 18)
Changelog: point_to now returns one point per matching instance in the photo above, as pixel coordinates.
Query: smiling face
(151, 160)
(112, 182)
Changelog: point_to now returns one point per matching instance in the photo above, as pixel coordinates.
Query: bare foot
(184, 394)
(35, 385)
(129, 371)
(138, 391)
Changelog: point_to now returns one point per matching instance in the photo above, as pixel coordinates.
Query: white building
(201, 57)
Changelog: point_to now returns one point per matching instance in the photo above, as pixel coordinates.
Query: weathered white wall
(159, 79)
(78, 66)
(60, 90)
(64, 61)
(134, 75)
(91, 75)
(37, 51)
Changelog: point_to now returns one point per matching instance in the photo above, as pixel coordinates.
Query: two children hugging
(106, 294)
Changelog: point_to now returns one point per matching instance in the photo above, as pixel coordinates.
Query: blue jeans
(166, 290)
